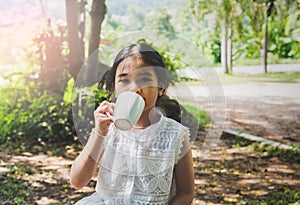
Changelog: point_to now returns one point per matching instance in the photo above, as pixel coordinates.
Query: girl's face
(133, 75)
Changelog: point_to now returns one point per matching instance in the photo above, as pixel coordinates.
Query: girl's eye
(125, 81)
(145, 80)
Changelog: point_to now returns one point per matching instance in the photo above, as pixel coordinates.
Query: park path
(240, 175)
(264, 109)
(264, 91)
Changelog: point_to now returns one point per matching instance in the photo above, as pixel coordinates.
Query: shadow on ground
(234, 173)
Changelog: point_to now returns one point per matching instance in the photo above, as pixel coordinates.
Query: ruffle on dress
(137, 166)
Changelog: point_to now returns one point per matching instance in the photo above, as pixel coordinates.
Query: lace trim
(184, 146)
(147, 133)
(146, 164)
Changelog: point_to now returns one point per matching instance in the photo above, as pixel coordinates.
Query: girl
(150, 164)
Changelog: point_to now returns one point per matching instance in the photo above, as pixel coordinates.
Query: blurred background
(43, 45)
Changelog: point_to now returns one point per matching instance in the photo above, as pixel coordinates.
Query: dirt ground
(270, 110)
(242, 175)
(276, 119)
(229, 175)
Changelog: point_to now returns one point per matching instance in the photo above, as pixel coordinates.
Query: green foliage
(14, 190)
(246, 20)
(85, 101)
(33, 110)
(201, 116)
(137, 18)
(266, 77)
(159, 20)
(27, 119)
(283, 196)
(236, 141)
(292, 155)
(173, 63)
(120, 7)
(49, 52)
(216, 51)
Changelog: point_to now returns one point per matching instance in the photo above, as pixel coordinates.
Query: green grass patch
(272, 59)
(201, 116)
(191, 81)
(283, 196)
(291, 155)
(236, 141)
(236, 78)
(15, 190)
(288, 77)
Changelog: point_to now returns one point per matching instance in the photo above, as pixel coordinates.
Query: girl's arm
(85, 164)
(184, 177)
(81, 175)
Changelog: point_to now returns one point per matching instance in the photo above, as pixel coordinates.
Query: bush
(27, 120)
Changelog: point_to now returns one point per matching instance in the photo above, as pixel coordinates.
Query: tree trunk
(265, 45)
(98, 12)
(229, 50)
(75, 42)
(224, 49)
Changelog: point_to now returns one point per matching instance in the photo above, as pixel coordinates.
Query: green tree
(268, 8)
(281, 15)
(49, 51)
(284, 25)
(226, 14)
(135, 18)
(159, 20)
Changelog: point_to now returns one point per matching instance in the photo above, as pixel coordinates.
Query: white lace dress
(137, 167)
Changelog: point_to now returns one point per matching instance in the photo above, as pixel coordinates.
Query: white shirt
(137, 166)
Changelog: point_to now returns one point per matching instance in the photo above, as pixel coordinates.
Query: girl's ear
(161, 89)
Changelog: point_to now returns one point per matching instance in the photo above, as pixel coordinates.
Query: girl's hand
(102, 120)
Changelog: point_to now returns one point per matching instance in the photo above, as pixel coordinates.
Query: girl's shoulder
(173, 124)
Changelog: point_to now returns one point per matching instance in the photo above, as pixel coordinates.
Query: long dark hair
(152, 58)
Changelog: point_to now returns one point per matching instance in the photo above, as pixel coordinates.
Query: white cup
(128, 110)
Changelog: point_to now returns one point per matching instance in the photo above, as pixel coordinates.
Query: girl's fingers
(102, 120)
(111, 108)
(102, 117)
(104, 107)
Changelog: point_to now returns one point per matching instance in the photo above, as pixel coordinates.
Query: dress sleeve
(184, 144)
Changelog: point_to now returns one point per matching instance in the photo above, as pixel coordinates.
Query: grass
(14, 190)
(279, 77)
(279, 197)
(292, 155)
(272, 59)
(201, 116)
(283, 195)
(288, 77)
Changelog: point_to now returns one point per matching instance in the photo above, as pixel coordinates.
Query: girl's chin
(148, 109)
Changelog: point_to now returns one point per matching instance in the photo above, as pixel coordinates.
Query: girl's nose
(134, 87)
